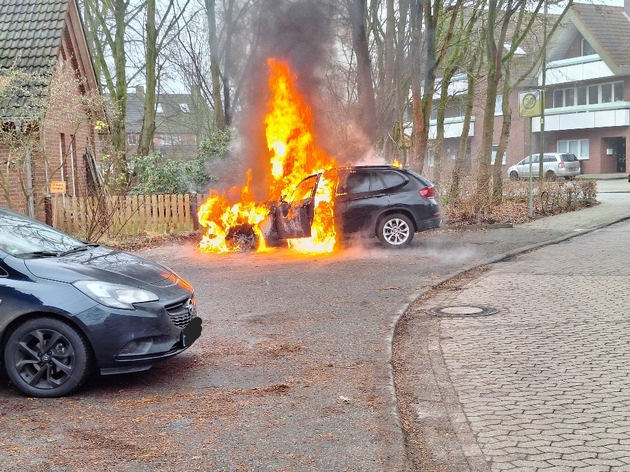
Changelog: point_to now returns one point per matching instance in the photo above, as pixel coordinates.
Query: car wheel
(513, 175)
(242, 238)
(395, 231)
(550, 176)
(45, 357)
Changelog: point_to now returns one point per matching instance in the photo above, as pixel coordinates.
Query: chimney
(140, 88)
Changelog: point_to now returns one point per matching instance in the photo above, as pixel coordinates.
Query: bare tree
(365, 86)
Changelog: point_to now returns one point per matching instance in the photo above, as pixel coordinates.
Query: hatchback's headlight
(114, 295)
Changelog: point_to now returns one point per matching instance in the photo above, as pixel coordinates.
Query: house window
(587, 49)
(591, 95)
(159, 108)
(569, 97)
(171, 139)
(498, 105)
(581, 95)
(184, 107)
(133, 139)
(606, 93)
(579, 147)
(495, 148)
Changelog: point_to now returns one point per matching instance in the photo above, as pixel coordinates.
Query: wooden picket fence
(93, 217)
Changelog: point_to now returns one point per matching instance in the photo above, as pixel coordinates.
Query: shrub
(549, 198)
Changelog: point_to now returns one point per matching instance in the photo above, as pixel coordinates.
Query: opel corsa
(68, 308)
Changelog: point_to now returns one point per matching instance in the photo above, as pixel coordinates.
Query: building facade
(48, 135)
(586, 94)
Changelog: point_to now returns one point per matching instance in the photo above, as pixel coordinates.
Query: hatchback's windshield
(20, 235)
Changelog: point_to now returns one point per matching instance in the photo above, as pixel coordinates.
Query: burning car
(384, 201)
(304, 205)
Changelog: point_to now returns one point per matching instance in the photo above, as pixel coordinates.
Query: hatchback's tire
(513, 175)
(550, 176)
(46, 357)
(395, 231)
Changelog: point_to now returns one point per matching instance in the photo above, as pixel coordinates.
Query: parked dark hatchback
(388, 202)
(68, 308)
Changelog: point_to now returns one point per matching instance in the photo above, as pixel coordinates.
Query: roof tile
(31, 33)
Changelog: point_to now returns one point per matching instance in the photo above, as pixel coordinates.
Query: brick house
(587, 97)
(44, 39)
(179, 122)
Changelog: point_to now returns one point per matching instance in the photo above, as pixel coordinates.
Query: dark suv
(388, 202)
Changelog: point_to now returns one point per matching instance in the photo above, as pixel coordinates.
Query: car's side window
(391, 179)
(304, 190)
(550, 158)
(357, 182)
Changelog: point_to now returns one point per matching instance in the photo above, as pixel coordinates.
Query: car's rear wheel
(395, 230)
(513, 175)
(46, 357)
(550, 176)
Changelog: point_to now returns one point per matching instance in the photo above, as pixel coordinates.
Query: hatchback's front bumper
(134, 340)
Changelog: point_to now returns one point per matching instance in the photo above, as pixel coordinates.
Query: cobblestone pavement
(543, 383)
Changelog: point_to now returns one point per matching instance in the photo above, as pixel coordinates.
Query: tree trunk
(497, 174)
(119, 133)
(215, 70)
(367, 103)
(148, 122)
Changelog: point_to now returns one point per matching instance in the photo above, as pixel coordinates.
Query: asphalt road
(292, 372)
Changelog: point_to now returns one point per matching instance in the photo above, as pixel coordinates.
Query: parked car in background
(68, 308)
(555, 164)
(388, 202)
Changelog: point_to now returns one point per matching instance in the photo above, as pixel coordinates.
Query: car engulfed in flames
(235, 220)
(312, 202)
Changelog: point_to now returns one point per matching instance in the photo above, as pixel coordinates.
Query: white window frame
(563, 92)
(582, 145)
(493, 156)
(498, 106)
(583, 49)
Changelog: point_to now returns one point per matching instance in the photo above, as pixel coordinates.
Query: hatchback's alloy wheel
(45, 357)
(395, 231)
(513, 175)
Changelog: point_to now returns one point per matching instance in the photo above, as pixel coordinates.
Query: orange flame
(293, 155)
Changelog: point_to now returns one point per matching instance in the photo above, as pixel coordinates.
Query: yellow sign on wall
(530, 103)
(57, 186)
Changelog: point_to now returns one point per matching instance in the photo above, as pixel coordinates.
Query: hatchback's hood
(104, 264)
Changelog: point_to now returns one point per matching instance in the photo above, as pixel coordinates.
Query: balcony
(604, 115)
(453, 127)
(576, 69)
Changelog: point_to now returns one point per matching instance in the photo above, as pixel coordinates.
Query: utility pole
(541, 158)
